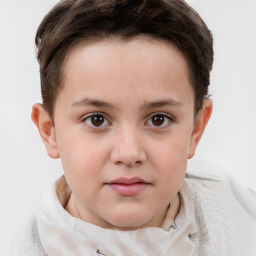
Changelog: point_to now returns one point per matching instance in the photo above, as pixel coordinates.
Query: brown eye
(158, 120)
(96, 120)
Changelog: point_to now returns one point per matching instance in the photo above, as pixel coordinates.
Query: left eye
(96, 120)
(159, 120)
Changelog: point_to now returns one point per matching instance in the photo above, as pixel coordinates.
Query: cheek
(82, 158)
(170, 162)
(171, 152)
(83, 167)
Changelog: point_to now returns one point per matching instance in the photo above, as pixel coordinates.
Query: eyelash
(90, 116)
(167, 118)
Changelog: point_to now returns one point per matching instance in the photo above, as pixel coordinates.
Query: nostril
(133, 163)
(129, 164)
(127, 157)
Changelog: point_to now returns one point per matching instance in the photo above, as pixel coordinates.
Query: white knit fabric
(62, 234)
(26, 242)
(225, 214)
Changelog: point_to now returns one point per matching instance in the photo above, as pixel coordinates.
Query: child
(125, 103)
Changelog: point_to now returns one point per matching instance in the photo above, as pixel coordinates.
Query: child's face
(124, 129)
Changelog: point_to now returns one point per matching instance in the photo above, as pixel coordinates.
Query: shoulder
(224, 209)
(223, 187)
(26, 241)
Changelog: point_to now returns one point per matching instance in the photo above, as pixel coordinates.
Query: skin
(129, 84)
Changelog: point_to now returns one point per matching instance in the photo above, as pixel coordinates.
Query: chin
(127, 226)
(129, 222)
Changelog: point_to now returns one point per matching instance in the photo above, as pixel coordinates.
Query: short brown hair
(71, 22)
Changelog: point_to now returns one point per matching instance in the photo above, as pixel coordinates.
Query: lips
(128, 186)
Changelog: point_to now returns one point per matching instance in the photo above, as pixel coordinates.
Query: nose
(128, 148)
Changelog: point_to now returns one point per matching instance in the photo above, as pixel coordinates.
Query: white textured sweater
(225, 216)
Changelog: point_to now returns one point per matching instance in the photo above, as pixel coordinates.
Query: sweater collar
(63, 234)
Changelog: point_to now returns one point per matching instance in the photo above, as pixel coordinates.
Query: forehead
(140, 46)
(132, 66)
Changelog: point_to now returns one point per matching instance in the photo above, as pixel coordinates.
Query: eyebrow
(161, 103)
(91, 102)
(102, 104)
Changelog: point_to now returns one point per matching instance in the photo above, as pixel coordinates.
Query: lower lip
(128, 189)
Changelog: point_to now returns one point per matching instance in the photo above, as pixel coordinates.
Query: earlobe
(201, 121)
(43, 122)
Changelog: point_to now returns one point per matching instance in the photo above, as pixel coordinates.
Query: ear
(43, 122)
(200, 123)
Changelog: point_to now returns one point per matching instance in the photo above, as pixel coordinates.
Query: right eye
(96, 120)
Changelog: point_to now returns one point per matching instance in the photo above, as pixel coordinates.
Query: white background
(230, 139)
